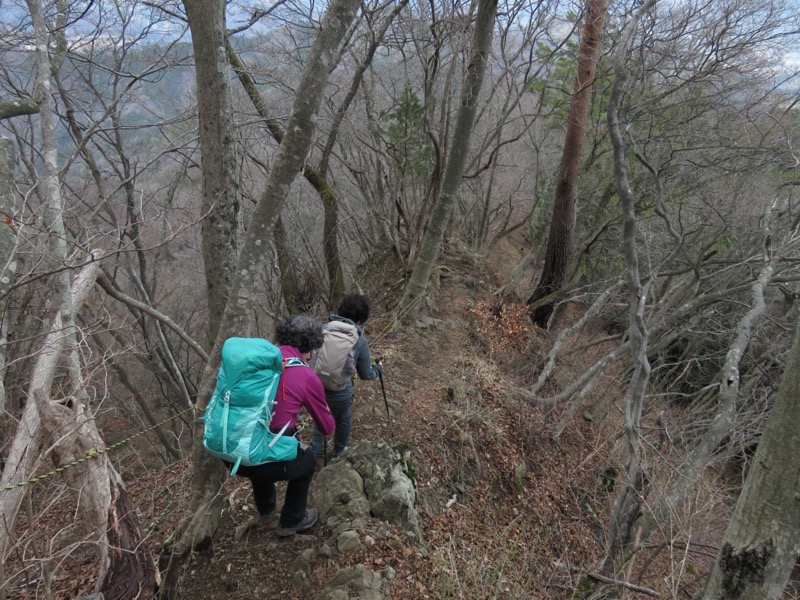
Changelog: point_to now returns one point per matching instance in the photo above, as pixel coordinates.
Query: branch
(625, 584)
(18, 108)
(254, 18)
(567, 333)
(109, 288)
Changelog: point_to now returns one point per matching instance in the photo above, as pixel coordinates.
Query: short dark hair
(354, 307)
(301, 331)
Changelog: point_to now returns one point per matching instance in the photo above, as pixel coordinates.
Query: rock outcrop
(360, 496)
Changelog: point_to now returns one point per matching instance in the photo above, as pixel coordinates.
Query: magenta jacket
(300, 388)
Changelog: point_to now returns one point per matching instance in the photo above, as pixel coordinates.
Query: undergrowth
(492, 564)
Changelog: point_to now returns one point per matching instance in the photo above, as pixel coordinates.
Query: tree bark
(289, 286)
(105, 512)
(454, 170)
(762, 543)
(202, 519)
(18, 108)
(221, 195)
(559, 239)
(627, 504)
(8, 250)
(127, 569)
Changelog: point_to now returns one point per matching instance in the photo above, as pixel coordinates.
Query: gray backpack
(335, 362)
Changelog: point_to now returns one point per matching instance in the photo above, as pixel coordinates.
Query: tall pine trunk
(562, 222)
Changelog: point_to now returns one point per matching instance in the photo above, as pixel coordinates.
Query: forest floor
(508, 510)
(500, 502)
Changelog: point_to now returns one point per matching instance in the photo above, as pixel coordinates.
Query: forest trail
(503, 507)
(507, 511)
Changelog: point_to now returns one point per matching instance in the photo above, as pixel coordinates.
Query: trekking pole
(325, 451)
(386, 402)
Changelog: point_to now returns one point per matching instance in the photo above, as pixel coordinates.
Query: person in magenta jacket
(297, 337)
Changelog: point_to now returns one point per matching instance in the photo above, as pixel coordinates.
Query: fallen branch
(625, 584)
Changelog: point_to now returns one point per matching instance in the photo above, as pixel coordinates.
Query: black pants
(297, 473)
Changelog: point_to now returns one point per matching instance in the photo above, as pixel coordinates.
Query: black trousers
(297, 473)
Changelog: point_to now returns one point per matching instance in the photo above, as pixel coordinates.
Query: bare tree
(759, 549)
(124, 564)
(221, 196)
(432, 241)
(624, 507)
(331, 225)
(203, 517)
(59, 417)
(318, 177)
(8, 248)
(66, 426)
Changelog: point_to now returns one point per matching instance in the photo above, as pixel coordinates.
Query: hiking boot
(256, 521)
(340, 452)
(307, 523)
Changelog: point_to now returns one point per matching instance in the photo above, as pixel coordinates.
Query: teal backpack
(237, 418)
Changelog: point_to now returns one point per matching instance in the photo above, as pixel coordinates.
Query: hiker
(351, 315)
(297, 337)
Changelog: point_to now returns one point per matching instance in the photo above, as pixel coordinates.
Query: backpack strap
(287, 362)
(293, 361)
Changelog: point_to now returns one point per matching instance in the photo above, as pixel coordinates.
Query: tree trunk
(318, 181)
(8, 251)
(318, 178)
(724, 413)
(289, 287)
(329, 201)
(107, 518)
(434, 233)
(221, 195)
(762, 543)
(559, 239)
(627, 505)
(102, 502)
(208, 473)
(24, 449)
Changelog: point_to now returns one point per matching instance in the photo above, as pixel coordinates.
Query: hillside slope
(506, 511)
(507, 508)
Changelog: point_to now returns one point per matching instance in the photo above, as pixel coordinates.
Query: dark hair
(354, 307)
(301, 331)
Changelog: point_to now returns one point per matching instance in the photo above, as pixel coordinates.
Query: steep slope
(507, 509)
(506, 512)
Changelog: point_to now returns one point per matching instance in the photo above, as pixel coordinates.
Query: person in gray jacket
(354, 309)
